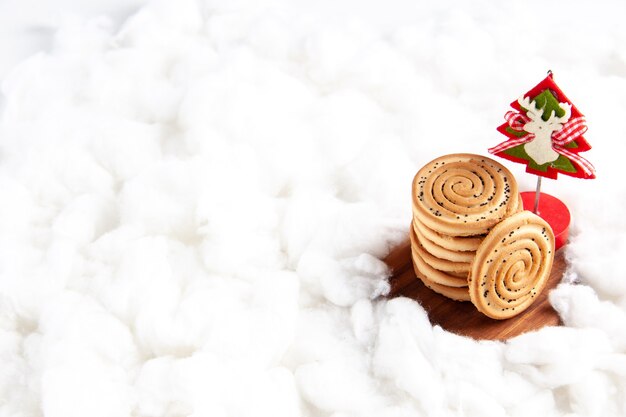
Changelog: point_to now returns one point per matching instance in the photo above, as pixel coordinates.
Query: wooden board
(462, 317)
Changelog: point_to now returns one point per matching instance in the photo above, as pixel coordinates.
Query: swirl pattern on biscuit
(512, 266)
(463, 194)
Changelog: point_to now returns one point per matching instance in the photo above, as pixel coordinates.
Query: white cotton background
(196, 197)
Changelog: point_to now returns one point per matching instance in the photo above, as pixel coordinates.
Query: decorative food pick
(545, 132)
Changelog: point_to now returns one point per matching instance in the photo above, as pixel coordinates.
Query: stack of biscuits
(471, 240)
(457, 200)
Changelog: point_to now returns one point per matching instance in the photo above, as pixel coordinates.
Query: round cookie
(518, 205)
(440, 251)
(512, 265)
(463, 194)
(455, 293)
(452, 243)
(433, 274)
(441, 264)
(459, 274)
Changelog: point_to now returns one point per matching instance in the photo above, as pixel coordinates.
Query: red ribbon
(571, 130)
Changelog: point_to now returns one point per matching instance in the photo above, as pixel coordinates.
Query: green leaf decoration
(563, 164)
(549, 103)
(515, 132)
(519, 152)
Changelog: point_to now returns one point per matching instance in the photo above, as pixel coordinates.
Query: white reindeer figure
(540, 147)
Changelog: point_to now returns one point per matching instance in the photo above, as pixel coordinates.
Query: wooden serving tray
(462, 317)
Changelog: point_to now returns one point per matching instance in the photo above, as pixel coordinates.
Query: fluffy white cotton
(197, 197)
(404, 354)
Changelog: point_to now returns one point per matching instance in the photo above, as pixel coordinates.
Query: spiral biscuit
(455, 293)
(451, 243)
(512, 265)
(433, 274)
(440, 251)
(459, 274)
(518, 204)
(463, 194)
(440, 263)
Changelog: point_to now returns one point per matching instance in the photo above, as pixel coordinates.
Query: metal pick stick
(537, 192)
(538, 189)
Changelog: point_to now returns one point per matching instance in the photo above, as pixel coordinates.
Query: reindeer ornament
(545, 131)
(540, 146)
